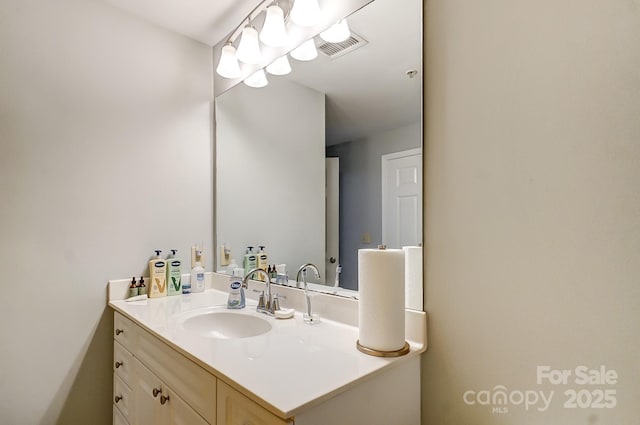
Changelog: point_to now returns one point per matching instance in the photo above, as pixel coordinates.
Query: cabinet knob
(156, 391)
(119, 331)
(163, 399)
(117, 398)
(118, 364)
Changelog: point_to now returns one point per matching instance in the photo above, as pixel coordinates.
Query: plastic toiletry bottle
(186, 286)
(142, 289)
(236, 298)
(197, 277)
(250, 260)
(158, 277)
(133, 289)
(263, 263)
(174, 275)
(232, 266)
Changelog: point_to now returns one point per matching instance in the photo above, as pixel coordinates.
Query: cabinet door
(181, 413)
(147, 390)
(158, 404)
(236, 409)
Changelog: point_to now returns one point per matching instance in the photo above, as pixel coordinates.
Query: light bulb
(306, 51)
(257, 79)
(280, 66)
(249, 48)
(273, 31)
(337, 32)
(305, 13)
(228, 66)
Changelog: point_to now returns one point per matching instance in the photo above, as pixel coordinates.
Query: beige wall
(105, 155)
(532, 204)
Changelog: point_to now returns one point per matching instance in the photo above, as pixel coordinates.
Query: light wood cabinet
(158, 404)
(236, 409)
(156, 385)
(123, 344)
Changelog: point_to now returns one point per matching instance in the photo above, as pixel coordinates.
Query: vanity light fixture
(257, 79)
(306, 51)
(273, 31)
(280, 66)
(306, 13)
(228, 66)
(337, 32)
(249, 48)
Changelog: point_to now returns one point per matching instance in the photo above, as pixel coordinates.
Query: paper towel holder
(379, 353)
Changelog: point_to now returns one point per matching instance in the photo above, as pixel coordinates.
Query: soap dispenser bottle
(197, 274)
(236, 298)
(158, 276)
(250, 260)
(174, 275)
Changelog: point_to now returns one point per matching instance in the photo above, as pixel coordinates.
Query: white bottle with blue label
(197, 278)
(236, 298)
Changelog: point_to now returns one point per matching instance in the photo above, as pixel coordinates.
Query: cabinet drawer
(122, 398)
(236, 409)
(124, 331)
(122, 362)
(118, 419)
(188, 380)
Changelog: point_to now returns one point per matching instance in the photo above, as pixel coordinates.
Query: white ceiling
(207, 21)
(367, 90)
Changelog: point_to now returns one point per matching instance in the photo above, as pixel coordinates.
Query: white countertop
(292, 367)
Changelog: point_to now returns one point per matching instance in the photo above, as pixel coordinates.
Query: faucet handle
(261, 302)
(275, 303)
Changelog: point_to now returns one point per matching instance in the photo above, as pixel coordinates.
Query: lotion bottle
(174, 275)
(262, 263)
(250, 260)
(197, 275)
(158, 277)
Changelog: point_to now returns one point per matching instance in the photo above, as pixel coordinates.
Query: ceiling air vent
(335, 50)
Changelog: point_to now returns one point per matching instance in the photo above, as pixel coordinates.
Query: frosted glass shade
(249, 48)
(305, 13)
(306, 51)
(228, 66)
(280, 66)
(337, 32)
(257, 79)
(273, 31)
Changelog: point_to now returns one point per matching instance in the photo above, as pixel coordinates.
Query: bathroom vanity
(189, 360)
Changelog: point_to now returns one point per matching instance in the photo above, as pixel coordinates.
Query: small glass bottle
(142, 288)
(133, 288)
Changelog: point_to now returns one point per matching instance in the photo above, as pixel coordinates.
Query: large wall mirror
(328, 159)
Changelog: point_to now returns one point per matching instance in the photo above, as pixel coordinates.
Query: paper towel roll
(381, 305)
(413, 276)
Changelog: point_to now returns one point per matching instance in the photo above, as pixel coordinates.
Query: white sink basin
(226, 325)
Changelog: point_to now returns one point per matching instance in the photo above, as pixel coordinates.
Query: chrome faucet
(266, 306)
(308, 317)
